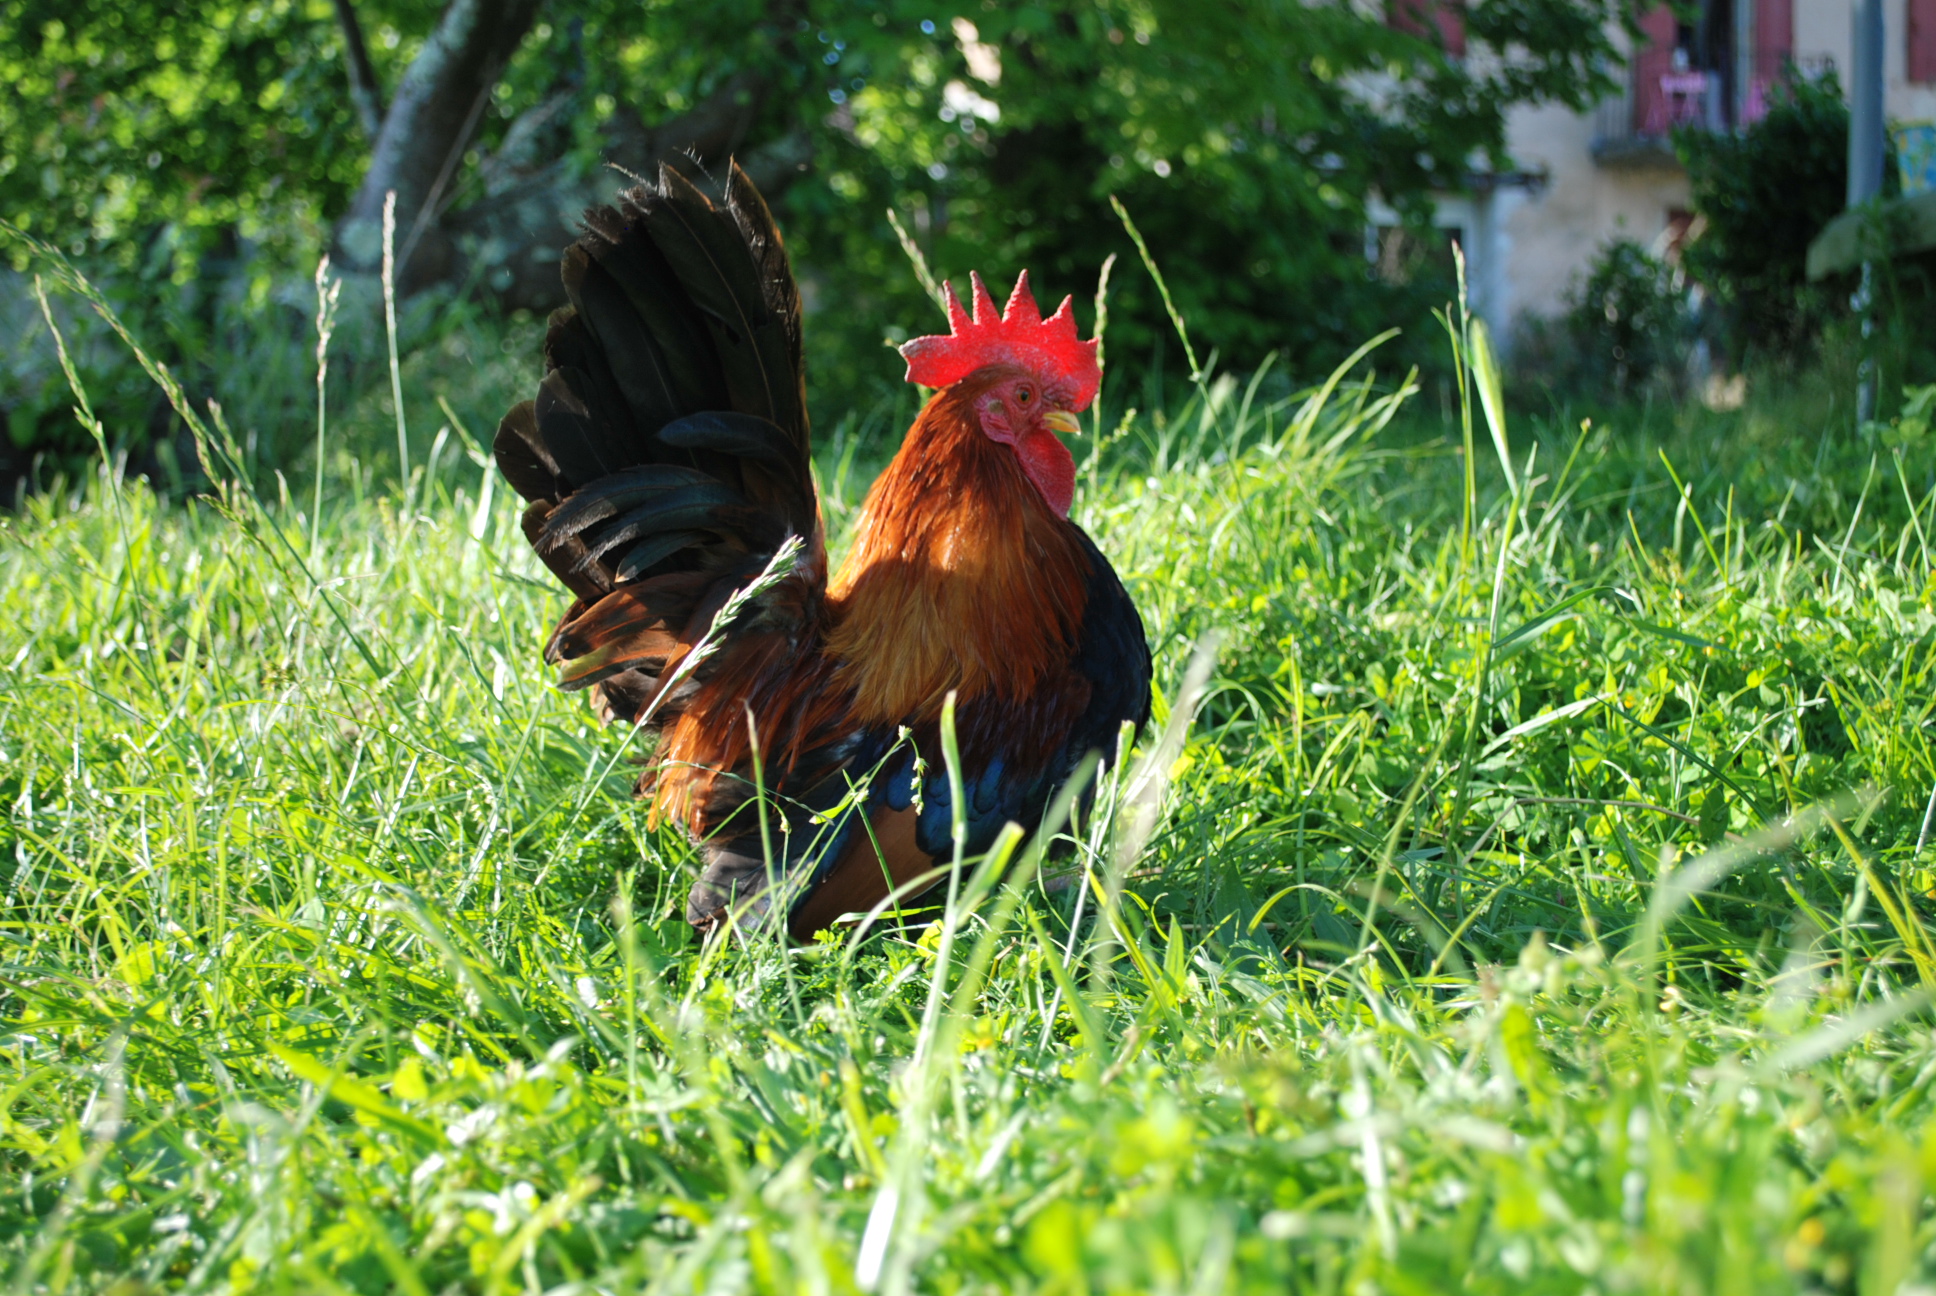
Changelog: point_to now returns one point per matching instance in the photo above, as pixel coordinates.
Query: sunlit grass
(1540, 913)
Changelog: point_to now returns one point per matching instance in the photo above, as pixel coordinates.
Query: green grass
(1535, 904)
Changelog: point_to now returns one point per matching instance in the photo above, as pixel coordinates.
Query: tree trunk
(429, 122)
(507, 241)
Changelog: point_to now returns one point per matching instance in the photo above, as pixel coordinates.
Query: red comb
(1020, 336)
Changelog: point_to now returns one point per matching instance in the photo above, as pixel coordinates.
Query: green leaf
(356, 1094)
(1492, 399)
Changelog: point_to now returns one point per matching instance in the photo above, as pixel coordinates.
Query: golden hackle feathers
(960, 577)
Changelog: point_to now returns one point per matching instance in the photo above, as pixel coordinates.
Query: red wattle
(1051, 467)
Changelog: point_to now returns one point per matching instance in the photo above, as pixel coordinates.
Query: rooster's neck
(960, 576)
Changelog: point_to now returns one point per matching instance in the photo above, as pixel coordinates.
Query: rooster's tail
(666, 456)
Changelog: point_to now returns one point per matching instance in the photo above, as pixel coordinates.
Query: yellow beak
(1062, 421)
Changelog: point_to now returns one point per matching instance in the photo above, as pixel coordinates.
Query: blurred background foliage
(1764, 194)
(1627, 328)
(198, 160)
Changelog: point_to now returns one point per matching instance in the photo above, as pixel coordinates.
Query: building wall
(1549, 234)
(1538, 241)
(1826, 29)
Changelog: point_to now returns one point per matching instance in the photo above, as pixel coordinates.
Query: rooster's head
(1031, 376)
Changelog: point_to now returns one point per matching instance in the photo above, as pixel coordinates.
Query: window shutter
(1774, 47)
(1653, 58)
(1774, 30)
(1922, 39)
(1420, 17)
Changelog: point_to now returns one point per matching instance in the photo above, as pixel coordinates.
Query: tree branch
(364, 92)
(509, 239)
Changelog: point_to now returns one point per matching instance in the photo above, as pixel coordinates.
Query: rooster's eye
(1024, 395)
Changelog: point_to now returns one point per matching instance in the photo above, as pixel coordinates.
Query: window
(1398, 255)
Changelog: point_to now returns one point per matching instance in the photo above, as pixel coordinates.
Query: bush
(1628, 319)
(1627, 327)
(1763, 195)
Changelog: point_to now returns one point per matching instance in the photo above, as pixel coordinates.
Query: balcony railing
(1661, 95)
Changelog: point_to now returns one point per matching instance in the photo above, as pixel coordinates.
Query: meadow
(1528, 891)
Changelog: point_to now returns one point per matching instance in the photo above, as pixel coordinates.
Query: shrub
(1626, 327)
(1628, 319)
(1763, 195)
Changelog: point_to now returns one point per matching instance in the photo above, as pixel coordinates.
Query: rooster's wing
(1014, 757)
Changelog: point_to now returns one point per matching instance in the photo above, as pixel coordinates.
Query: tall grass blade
(390, 339)
(327, 293)
(918, 259)
(1198, 375)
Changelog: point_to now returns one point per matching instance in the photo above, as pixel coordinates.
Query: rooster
(666, 463)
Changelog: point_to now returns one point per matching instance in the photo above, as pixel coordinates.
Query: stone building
(1584, 179)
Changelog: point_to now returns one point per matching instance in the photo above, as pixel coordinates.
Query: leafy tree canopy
(176, 142)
